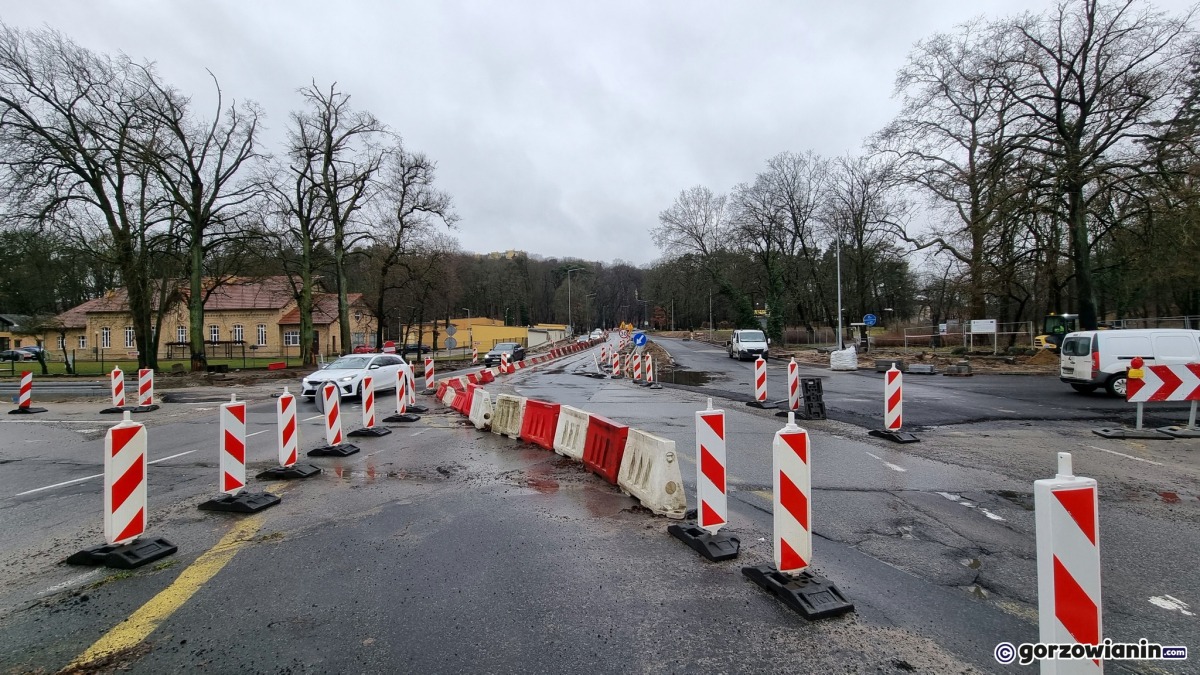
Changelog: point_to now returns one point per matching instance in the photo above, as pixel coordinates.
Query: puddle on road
(691, 378)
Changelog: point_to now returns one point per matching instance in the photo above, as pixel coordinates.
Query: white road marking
(1003, 410)
(257, 433)
(991, 515)
(309, 419)
(73, 581)
(1121, 454)
(57, 421)
(1171, 603)
(950, 496)
(418, 433)
(888, 464)
(97, 475)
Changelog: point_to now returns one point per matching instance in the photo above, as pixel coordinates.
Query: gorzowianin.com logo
(1142, 650)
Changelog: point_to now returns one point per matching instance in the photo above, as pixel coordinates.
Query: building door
(316, 343)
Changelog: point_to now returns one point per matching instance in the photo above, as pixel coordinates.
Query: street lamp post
(470, 329)
(570, 326)
(838, 239)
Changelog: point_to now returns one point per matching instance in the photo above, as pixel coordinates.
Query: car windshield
(753, 336)
(505, 347)
(350, 363)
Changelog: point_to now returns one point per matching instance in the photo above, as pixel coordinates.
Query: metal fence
(1019, 333)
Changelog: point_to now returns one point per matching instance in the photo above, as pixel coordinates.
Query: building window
(214, 332)
(181, 334)
(129, 341)
(291, 338)
(237, 332)
(83, 341)
(62, 342)
(359, 338)
(105, 337)
(262, 335)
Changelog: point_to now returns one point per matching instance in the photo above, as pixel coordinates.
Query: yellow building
(10, 332)
(259, 316)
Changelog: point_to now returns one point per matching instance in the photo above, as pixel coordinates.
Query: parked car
(33, 349)
(597, 334)
(1092, 359)
(16, 355)
(514, 350)
(414, 350)
(745, 344)
(347, 373)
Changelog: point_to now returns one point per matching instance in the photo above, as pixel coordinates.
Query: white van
(1099, 358)
(747, 344)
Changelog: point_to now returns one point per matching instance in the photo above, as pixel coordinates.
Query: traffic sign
(624, 333)
(451, 343)
(870, 319)
(389, 347)
(451, 329)
(640, 340)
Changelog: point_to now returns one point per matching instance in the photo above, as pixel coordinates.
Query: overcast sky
(561, 128)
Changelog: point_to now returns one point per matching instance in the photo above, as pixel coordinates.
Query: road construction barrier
(1177, 382)
(368, 401)
(760, 380)
(25, 397)
(447, 396)
(474, 355)
(331, 401)
(117, 380)
(481, 410)
(429, 375)
(473, 378)
(793, 379)
(571, 433)
(504, 363)
(539, 422)
(289, 432)
(712, 512)
(145, 387)
(233, 446)
(604, 353)
(124, 482)
(650, 471)
(604, 447)
(793, 504)
(410, 372)
(1066, 511)
(893, 399)
(637, 367)
(401, 391)
(506, 418)
(649, 364)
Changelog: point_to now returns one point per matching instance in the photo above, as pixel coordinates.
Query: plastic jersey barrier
(481, 410)
(604, 447)
(571, 433)
(539, 423)
(650, 471)
(506, 417)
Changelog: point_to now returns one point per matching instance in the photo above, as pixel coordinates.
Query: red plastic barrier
(278, 365)
(539, 423)
(486, 376)
(441, 389)
(473, 378)
(462, 402)
(604, 447)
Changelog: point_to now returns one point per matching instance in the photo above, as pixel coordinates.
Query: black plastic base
(1140, 434)
(401, 418)
(429, 392)
(760, 404)
(894, 436)
(293, 472)
(370, 431)
(811, 596)
(715, 547)
(26, 411)
(124, 556)
(242, 502)
(784, 413)
(1181, 432)
(417, 409)
(655, 385)
(340, 450)
(118, 409)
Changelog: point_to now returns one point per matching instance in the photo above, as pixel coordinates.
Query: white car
(347, 373)
(597, 334)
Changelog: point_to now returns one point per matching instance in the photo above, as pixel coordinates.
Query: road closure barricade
(287, 440)
(481, 410)
(25, 397)
(335, 445)
(1166, 383)
(712, 508)
(539, 423)
(604, 447)
(506, 418)
(571, 433)
(893, 409)
(234, 497)
(650, 471)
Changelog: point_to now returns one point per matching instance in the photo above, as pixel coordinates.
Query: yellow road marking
(132, 631)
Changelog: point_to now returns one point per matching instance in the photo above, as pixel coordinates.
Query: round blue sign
(640, 339)
(870, 319)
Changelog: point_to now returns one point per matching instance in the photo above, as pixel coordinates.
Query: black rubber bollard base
(118, 409)
(1140, 434)
(124, 556)
(370, 431)
(760, 404)
(417, 409)
(339, 450)
(1181, 432)
(242, 502)
(26, 411)
(401, 418)
(656, 385)
(715, 547)
(894, 436)
(810, 595)
(293, 472)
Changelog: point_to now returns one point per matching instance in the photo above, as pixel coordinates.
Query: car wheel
(1116, 385)
(1084, 388)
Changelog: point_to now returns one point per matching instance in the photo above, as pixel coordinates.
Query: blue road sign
(870, 320)
(640, 340)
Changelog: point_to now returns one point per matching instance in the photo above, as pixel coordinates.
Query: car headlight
(346, 378)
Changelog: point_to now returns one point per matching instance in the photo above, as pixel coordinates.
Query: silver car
(348, 371)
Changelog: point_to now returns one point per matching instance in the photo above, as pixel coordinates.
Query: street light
(470, 328)
(570, 326)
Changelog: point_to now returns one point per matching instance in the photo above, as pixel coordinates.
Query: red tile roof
(324, 309)
(266, 293)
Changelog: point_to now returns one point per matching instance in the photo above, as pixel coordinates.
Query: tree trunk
(1081, 257)
(196, 304)
(339, 263)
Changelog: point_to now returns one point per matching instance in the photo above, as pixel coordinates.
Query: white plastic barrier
(571, 433)
(650, 471)
(481, 410)
(448, 397)
(506, 418)
(844, 359)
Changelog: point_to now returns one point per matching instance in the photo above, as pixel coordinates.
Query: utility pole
(570, 326)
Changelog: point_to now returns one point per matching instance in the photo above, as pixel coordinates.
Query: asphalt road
(440, 548)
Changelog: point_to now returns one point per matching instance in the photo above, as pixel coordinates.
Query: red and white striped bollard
(637, 367)
(117, 379)
(893, 399)
(760, 382)
(429, 374)
(712, 511)
(145, 387)
(289, 431)
(333, 413)
(504, 363)
(793, 376)
(1067, 517)
(474, 355)
(124, 481)
(793, 506)
(233, 446)
(25, 397)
